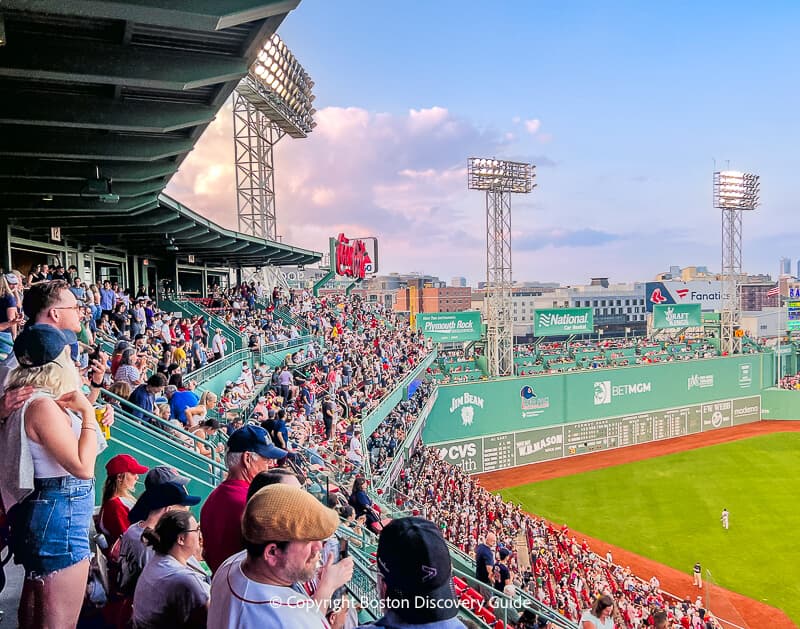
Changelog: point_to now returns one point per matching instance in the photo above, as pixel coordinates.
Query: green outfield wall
(485, 426)
(780, 404)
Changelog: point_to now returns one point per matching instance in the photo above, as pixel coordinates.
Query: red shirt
(221, 522)
(114, 519)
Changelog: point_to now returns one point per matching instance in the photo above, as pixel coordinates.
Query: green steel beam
(148, 218)
(88, 146)
(44, 59)
(198, 15)
(28, 187)
(208, 239)
(68, 205)
(85, 112)
(31, 168)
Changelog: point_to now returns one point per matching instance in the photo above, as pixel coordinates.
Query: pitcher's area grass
(668, 509)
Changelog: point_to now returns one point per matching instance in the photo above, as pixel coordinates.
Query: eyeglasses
(76, 307)
(197, 530)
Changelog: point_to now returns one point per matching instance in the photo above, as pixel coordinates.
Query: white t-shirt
(354, 454)
(608, 623)
(236, 601)
(218, 344)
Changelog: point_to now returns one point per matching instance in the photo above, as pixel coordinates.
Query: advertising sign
(356, 257)
(677, 316)
(707, 294)
(521, 447)
(477, 409)
(793, 315)
(450, 327)
(563, 321)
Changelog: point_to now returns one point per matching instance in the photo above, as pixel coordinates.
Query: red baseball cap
(123, 463)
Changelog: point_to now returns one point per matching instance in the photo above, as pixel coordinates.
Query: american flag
(774, 291)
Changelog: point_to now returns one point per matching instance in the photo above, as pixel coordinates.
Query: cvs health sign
(355, 257)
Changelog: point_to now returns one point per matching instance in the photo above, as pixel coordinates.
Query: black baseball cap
(160, 496)
(414, 561)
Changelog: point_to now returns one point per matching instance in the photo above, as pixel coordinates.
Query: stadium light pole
(273, 100)
(499, 179)
(734, 192)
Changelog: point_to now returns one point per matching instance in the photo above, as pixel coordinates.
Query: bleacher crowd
(265, 533)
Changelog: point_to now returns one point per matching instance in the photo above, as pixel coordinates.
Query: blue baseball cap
(40, 344)
(254, 439)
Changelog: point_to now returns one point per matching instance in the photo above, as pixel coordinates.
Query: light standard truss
(499, 179)
(273, 100)
(734, 192)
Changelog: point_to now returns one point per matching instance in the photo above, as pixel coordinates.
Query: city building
(458, 281)
(753, 296)
(618, 308)
(432, 298)
(785, 266)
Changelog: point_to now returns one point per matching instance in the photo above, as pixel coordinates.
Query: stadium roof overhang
(102, 101)
(165, 227)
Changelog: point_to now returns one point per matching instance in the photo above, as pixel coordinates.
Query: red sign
(352, 259)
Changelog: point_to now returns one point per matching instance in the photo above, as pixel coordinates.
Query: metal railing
(404, 449)
(216, 367)
(165, 430)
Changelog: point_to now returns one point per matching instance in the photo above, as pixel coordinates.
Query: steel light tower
(273, 100)
(499, 179)
(734, 192)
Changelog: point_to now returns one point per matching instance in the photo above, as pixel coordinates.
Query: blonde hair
(209, 398)
(57, 377)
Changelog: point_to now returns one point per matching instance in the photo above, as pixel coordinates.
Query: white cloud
(401, 178)
(532, 125)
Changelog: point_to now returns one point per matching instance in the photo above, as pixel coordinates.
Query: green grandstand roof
(126, 87)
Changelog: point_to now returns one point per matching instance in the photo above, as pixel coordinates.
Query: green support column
(350, 288)
(331, 272)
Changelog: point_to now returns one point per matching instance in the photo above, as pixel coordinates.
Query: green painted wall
(780, 404)
(503, 406)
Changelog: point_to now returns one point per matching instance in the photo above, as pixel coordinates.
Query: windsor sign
(450, 327)
(677, 316)
(563, 321)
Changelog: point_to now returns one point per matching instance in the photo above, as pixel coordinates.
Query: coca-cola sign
(354, 258)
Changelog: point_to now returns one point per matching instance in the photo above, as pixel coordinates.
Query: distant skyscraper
(785, 266)
(458, 282)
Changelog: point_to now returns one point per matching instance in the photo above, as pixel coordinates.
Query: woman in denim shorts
(50, 526)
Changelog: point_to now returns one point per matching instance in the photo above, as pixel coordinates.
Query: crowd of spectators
(270, 546)
(564, 573)
(791, 383)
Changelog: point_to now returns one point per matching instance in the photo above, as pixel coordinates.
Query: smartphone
(343, 548)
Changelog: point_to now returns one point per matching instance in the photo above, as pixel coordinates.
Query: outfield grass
(668, 509)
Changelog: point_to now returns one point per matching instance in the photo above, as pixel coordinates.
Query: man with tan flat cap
(284, 528)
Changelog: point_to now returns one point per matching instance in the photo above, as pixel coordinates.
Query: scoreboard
(793, 315)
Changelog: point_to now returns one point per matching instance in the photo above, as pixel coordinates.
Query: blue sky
(623, 107)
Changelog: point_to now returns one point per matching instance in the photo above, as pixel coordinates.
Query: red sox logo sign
(657, 298)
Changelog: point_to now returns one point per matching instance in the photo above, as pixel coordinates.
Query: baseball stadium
(161, 372)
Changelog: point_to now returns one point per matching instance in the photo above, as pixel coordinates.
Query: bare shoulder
(42, 409)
